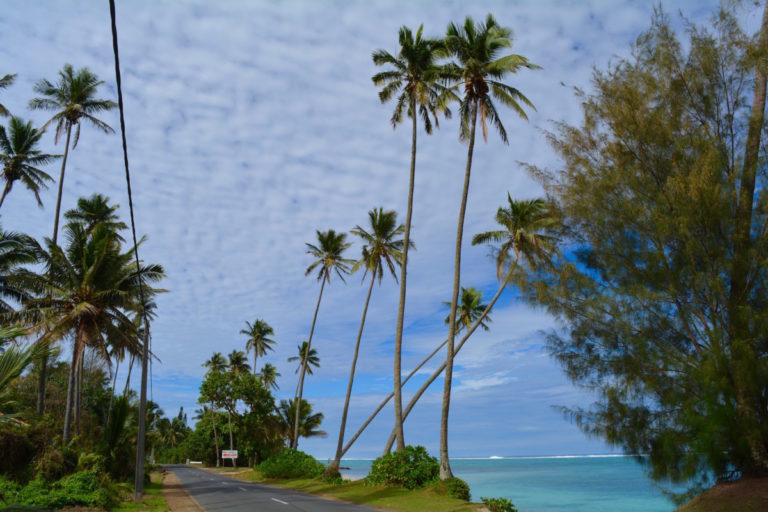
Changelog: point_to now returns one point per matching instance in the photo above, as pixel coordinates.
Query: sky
(251, 125)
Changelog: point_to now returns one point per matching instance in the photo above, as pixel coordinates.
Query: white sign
(228, 454)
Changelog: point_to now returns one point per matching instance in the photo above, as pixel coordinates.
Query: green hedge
(411, 468)
(290, 463)
(85, 488)
(499, 505)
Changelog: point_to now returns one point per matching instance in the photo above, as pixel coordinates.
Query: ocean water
(554, 484)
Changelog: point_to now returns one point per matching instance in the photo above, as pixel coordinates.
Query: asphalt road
(214, 491)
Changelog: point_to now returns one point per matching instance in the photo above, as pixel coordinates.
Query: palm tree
(269, 375)
(308, 423)
(238, 362)
(16, 249)
(87, 290)
(6, 81)
(20, 158)
(414, 75)
(257, 339)
(528, 233)
(382, 247)
(470, 309)
(12, 363)
(72, 99)
(95, 210)
(479, 69)
(329, 258)
(216, 364)
(307, 358)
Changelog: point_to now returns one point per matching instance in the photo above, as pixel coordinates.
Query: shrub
(411, 468)
(85, 488)
(9, 491)
(332, 477)
(499, 505)
(458, 488)
(90, 462)
(290, 463)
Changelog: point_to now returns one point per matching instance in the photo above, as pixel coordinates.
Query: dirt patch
(177, 499)
(746, 495)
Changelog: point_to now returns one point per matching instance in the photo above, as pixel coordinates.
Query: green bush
(411, 468)
(499, 505)
(85, 488)
(290, 463)
(9, 491)
(458, 488)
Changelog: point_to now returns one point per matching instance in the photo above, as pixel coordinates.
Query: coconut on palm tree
(413, 77)
(87, 291)
(529, 232)
(6, 81)
(268, 376)
(72, 99)
(258, 339)
(20, 158)
(382, 248)
(329, 258)
(479, 70)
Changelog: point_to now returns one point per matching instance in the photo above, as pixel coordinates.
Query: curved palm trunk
(79, 343)
(334, 466)
(398, 390)
(421, 364)
(215, 434)
(44, 361)
(445, 464)
(295, 441)
(6, 189)
(437, 372)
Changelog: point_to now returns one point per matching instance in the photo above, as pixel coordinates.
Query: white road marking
(243, 489)
(280, 501)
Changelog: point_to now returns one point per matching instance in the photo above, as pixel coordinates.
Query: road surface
(214, 491)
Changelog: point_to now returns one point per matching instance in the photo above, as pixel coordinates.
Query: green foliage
(499, 505)
(411, 468)
(290, 463)
(458, 488)
(85, 488)
(332, 477)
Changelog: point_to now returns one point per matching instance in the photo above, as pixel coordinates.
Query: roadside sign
(228, 454)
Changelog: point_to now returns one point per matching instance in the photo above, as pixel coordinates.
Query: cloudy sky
(253, 124)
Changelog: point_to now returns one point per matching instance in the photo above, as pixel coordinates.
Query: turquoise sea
(554, 484)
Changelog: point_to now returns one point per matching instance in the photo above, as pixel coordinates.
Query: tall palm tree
(95, 210)
(307, 358)
(6, 81)
(308, 423)
(470, 309)
(87, 290)
(413, 77)
(529, 232)
(258, 340)
(216, 364)
(19, 157)
(72, 98)
(479, 69)
(382, 248)
(329, 254)
(268, 376)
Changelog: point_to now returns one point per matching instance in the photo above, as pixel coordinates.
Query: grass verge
(153, 499)
(378, 496)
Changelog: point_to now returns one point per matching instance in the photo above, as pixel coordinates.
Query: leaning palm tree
(329, 258)
(20, 158)
(6, 81)
(307, 358)
(268, 376)
(72, 98)
(86, 290)
(528, 233)
(413, 77)
(479, 70)
(258, 340)
(382, 248)
(308, 423)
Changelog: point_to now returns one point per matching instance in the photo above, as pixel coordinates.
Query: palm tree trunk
(466, 336)
(749, 411)
(304, 365)
(437, 372)
(44, 362)
(6, 189)
(79, 342)
(128, 378)
(79, 393)
(231, 443)
(255, 356)
(114, 385)
(334, 466)
(398, 390)
(445, 464)
(215, 434)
